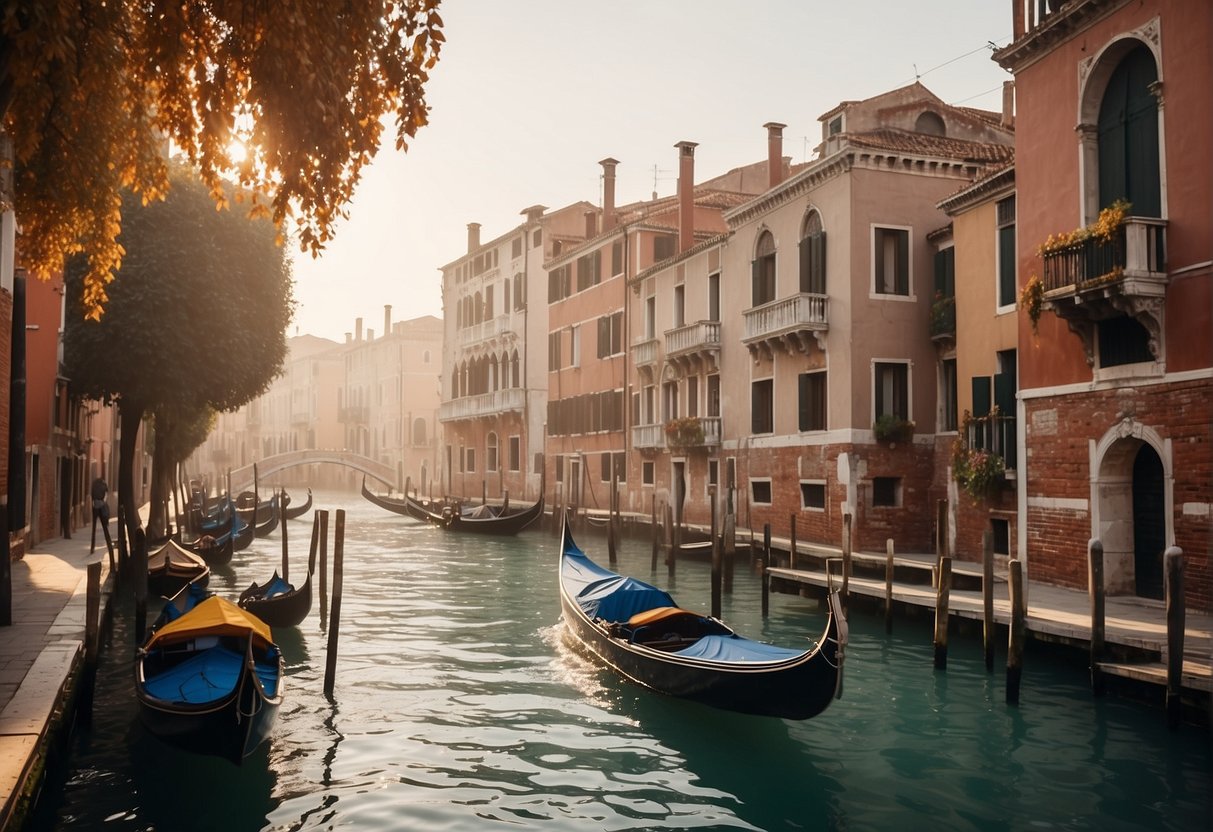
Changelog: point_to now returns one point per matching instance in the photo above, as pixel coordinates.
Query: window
(760, 492)
(947, 395)
(621, 466)
(419, 432)
(669, 397)
(835, 126)
(763, 270)
(650, 317)
(537, 463)
(692, 395)
(516, 248)
(813, 256)
(605, 467)
(617, 257)
(680, 306)
(519, 293)
(1122, 340)
(762, 406)
(945, 272)
(1000, 530)
(515, 453)
(610, 335)
(891, 261)
(560, 283)
(1006, 251)
(931, 124)
(471, 463)
(812, 389)
(664, 247)
(646, 473)
(713, 395)
(489, 307)
(490, 456)
(886, 492)
(575, 345)
(1128, 136)
(537, 238)
(714, 297)
(589, 270)
(554, 350)
(559, 460)
(713, 472)
(891, 396)
(425, 357)
(813, 495)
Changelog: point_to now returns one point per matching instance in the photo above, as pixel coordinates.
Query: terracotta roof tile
(900, 141)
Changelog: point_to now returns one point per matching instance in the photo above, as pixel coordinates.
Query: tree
(197, 321)
(90, 90)
(178, 431)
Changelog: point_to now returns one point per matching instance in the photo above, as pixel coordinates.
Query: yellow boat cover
(213, 617)
(657, 614)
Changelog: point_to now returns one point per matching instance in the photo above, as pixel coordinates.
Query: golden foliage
(1104, 228)
(100, 88)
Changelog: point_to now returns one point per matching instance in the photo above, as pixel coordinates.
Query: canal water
(458, 707)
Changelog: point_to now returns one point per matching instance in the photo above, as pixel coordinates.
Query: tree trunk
(162, 469)
(130, 416)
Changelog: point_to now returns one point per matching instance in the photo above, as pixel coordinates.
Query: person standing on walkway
(101, 513)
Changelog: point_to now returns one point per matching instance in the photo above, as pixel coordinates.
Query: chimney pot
(774, 153)
(473, 236)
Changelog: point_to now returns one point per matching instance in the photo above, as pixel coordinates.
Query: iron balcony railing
(1136, 250)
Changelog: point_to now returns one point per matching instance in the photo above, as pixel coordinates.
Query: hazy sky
(529, 94)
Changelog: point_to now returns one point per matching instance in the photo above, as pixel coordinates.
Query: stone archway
(1131, 499)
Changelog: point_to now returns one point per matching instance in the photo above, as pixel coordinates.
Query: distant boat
(407, 507)
(171, 567)
(639, 631)
(211, 681)
(457, 517)
(291, 512)
(278, 602)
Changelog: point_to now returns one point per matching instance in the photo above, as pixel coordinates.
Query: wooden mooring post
(322, 518)
(764, 566)
(941, 536)
(283, 501)
(941, 613)
(987, 597)
(330, 664)
(1095, 587)
(611, 522)
(792, 545)
(846, 559)
(653, 529)
(671, 540)
(1016, 637)
(139, 565)
(1173, 593)
(716, 562)
(92, 639)
(888, 585)
(728, 545)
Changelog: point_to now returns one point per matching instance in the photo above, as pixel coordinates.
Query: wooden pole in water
(941, 613)
(611, 522)
(764, 565)
(484, 491)
(846, 559)
(140, 568)
(283, 501)
(888, 585)
(1095, 586)
(330, 665)
(941, 533)
(792, 545)
(766, 576)
(1173, 592)
(653, 532)
(313, 548)
(716, 556)
(124, 556)
(671, 553)
(92, 629)
(729, 546)
(1016, 638)
(987, 598)
(322, 516)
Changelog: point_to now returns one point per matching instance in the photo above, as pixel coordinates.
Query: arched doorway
(1149, 523)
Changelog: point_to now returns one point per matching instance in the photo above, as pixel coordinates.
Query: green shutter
(981, 396)
(1006, 266)
(806, 264)
(756, 288)
(819, 264)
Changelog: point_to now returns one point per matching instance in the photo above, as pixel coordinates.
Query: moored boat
(639, 631)
(291, 512)
(171, 567)
(210, 681)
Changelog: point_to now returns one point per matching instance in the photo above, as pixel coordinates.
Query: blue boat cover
(736, 650)
(277, 587)
(208, 676)
(606, 595)
(194, 594)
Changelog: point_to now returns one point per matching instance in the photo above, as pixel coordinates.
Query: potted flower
(891, 428)
(977, 471)
(686, 432)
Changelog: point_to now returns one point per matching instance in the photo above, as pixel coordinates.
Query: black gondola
(639, 631)
(216, 551)
(291, 512)
(455, 517)
(408, 508)
(267, 526)
(211, 681)
(253, 509)
(171, 567)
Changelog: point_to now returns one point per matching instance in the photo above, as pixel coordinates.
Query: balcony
(787, 324)
(1096, 279)
(693, 433)
(644, 354)
(648, 437)
(301, 417)
(943, 322)
(509, 400)
(694, 347)
(353, 415)
(484, 332)
(995, 433)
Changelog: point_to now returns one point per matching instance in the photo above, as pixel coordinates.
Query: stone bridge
(242, 478)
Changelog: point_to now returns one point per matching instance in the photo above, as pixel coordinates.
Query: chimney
(1008, 103)
(357, 329)
(686, 194)
(774, 153)
(348, 337)
(608, 192)
(370, 335)
(473, 236)
(591, 225)
(534, 213)
(387, 318)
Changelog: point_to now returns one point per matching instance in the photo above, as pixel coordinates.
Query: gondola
(188, 597)
(266, 527)
(215, 550)
(171, 567)
(250, 506)
(211, 681)
(242, 534)
(277, 602)
(408, 508)
(639, 631)
(485, 519)
(290, 512)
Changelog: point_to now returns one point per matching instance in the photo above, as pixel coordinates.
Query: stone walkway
(40, 649)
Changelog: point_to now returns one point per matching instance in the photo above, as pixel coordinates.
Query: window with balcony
(1128, 136)
(713, 395)
(1005, 210)
(714, 297)
(813, 255)
(762, 406)
(763, 270)
(812, 401)
(891, 261)
(670, 400)
(680, 306)
(692, 395)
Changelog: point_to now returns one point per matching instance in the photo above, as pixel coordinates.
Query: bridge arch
(242, 478)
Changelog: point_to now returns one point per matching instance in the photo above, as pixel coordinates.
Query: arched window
(931, 124)
(763, 269)
(419, 432)
(492, 368)
(813, 255)
(490, 456)
(517, 381)
(458, 316)
(1128, 136)
(454, 384)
